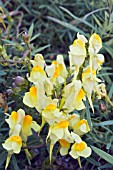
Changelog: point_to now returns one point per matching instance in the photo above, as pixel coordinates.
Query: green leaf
(40, 49)
(14, 161)
(109, 122)
(79, 19)
(67, 25)
(88, 115)
(92, 161)
(34, 37)
(3, 156)
(110, 92)
(103, 154)
(97, 21)
(2, 73)
(30, 32)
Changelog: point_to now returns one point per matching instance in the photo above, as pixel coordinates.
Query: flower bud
(26, 37)
(19, 81)
(15, 87)
(9, 91)
(102, 107)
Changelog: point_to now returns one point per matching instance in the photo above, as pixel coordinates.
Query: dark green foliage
(51, 26)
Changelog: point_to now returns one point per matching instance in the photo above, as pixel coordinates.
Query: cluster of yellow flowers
(56, 92)
(20, 128)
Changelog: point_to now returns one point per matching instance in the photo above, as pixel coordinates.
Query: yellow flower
(57, 70)
(81, 127)
(23, 124)
(33, 98)
(95, 44)
(37, 75)
(15, 118)
(89, 81)
(38, 61)
(64, 147)
(77, 54)
(100, 91)
(82, 38)
(79, 148)
(78, 104)
(27, 126)
(51, 113)
(97, 61)
(73, 119)
(48, 85)
(13, 144)
(73, 93)
(57, 132)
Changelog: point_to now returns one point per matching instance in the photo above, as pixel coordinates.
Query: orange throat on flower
(50, 107)
(16, 139)
(64, 143)
(81, 122)
(79, 146)
(63, 124)
(14, 116)
(38, 69)
(27, 122)
(34, 94)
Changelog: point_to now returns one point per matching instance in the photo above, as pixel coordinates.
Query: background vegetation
(51, 26)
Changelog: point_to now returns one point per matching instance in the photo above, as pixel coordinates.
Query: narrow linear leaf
(33, 38)
(92, 161)
(103, 154)
(3, 156)
(88, 115)
(109, 122)
(40, 49)
(14, 161)
(110, 92)
(79, 19)
(67, 25)
(30, 32)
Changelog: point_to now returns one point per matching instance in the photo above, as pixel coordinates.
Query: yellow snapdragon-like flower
(89, 81)
(59, 131)
(100, 90)
(82, 38)
(73, 119)
(38, 61)
(79, 148)
(51, 113)
(48, 86)
(27, 126)
(64, 147)
(81, 127)
(57, 70)
(37, 75)
(23, 124)
(33, 98)
(95, 44)
(97, 62)
(13, 144)
(74, 93)
(77, 54)
(14, 119)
